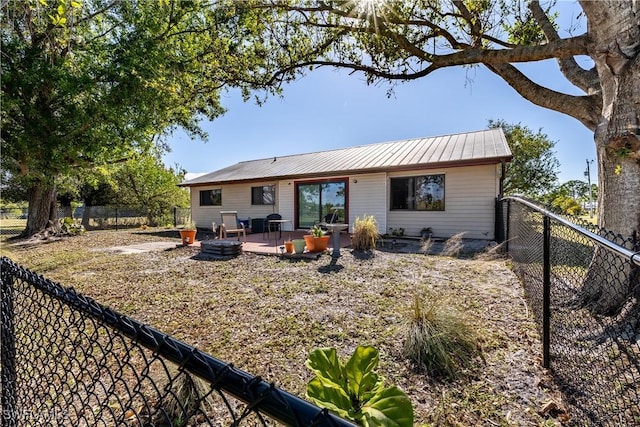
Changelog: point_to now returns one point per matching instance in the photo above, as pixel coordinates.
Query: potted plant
(426, 233)
(188, 233)
(316, 240)
(288, 244)
(298, 246)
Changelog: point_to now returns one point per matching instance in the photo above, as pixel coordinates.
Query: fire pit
(219, 249)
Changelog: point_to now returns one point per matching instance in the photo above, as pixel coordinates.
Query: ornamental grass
(365, 233)
(439, 339)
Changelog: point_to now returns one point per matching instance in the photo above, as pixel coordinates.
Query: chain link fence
(67, 360)
(14, 221)
(583, 285)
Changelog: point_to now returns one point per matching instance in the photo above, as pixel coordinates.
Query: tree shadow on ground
(332, 267)
(175, 233)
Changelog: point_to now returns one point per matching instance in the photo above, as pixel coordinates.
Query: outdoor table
(282, 222)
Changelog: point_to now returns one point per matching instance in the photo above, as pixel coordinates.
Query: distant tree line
(142, 183)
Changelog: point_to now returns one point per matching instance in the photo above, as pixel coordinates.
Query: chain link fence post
(546, 291)
(8, 351)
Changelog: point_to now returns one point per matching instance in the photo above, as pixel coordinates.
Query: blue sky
(330, 109)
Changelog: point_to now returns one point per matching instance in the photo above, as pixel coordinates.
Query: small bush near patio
(439, 339)
(365, 233)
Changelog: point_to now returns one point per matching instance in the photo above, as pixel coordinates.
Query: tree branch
(587, 80)
(583, 108)
(561, 48)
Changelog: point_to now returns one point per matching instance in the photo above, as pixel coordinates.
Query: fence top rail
(634, 257)
(260, 395)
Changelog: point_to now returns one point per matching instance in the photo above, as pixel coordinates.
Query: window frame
(216, 193)
(412, 193)
(263, 187)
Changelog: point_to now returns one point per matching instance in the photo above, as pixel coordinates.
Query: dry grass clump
(492, 253)
(425, 245)
(439, 339)
(365, 233)
(186, 395)
(453, 246)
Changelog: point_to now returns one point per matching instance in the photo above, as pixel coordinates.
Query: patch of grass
(265, 314)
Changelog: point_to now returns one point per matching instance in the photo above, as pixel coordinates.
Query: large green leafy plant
(354, 390)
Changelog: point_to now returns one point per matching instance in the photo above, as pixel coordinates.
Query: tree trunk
(42, 208)
(86, 215)
(616, 53)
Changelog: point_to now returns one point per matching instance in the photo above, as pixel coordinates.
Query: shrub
(365, 233)
(439, 339)
(70, 227)
(397, 232)
(355, 390)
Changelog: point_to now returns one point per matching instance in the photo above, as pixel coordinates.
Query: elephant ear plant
(355, 391)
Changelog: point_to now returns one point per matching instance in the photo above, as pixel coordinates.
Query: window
(264, 195)
(211, 197)
(421, 193)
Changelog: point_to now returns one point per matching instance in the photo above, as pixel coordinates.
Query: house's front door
(315, 200)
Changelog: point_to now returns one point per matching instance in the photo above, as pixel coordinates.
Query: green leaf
(324, 363)
(60, 10)
(43, 2)
(390, 408)
(75, 4)
(361, 378)
(329, 395)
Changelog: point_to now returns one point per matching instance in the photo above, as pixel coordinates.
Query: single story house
(448, 183)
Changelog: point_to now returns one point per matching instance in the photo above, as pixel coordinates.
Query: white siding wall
(368, 196)
(286, 193)
(235, 197)
(470, 194)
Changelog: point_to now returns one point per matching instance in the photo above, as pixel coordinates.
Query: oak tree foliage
(534, 168)
(93, 82)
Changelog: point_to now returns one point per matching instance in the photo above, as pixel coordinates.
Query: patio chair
(230, 224)
(269, 227)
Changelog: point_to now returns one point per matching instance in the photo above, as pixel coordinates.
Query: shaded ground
(265, 315)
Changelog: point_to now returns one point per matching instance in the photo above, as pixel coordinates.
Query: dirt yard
(265, 314)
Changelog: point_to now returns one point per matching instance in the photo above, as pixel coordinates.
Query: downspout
(498, 229)
(503, 172)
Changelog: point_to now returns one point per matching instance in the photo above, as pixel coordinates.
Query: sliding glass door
(315, 200)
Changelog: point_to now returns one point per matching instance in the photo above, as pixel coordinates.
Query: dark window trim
(212, 198)
(344, 179)
(261, 201)
(412, 192)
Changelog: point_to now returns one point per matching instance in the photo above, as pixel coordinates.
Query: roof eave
(439, 165)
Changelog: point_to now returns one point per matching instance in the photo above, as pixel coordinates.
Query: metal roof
(481, 147)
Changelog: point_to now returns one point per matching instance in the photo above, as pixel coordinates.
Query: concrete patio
(270, 244)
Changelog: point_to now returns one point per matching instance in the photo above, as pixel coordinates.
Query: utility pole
(587, 173)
